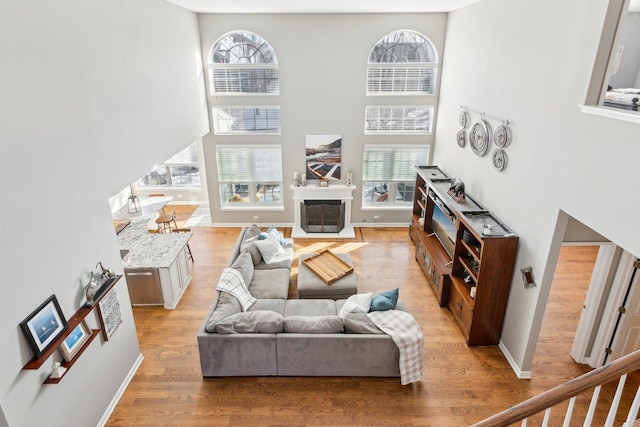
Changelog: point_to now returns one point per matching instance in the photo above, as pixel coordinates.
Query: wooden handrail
(571, 388)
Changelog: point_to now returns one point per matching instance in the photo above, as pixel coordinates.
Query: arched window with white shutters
(243, 63)
(403, 62)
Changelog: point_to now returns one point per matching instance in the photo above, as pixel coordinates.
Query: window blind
(398, 119)
(238, 80)
(230, 120)
(393, 163)
(400, 79)
(259, 164)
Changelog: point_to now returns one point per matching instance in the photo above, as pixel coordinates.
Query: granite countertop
(150, 250)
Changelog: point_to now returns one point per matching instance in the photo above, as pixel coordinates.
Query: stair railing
(617, 369)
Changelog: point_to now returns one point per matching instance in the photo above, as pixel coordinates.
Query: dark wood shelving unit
(474, 278)
(73, 322)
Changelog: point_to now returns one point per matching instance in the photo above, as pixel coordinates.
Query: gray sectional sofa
(277, 336)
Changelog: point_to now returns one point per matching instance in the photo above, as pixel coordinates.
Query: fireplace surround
(333, 194)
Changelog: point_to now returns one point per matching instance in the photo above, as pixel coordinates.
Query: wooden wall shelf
(73, 321)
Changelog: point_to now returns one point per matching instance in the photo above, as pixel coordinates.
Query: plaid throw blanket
(406, 333)
(231, 282)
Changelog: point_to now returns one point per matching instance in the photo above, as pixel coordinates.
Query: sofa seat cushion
(307, 307)
(226, 306)
(313, 324)
(259, 321)
(273, 283)
(269, 304)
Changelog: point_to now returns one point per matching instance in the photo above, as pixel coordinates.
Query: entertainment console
(467, 255)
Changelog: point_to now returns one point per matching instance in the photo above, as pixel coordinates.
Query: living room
(97, 93)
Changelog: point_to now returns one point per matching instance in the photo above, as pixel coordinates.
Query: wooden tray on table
(328, 266)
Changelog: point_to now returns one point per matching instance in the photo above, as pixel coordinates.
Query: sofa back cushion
(313, 324)
(259, 321)
(244, 264)
(227, 305)
(249, 239)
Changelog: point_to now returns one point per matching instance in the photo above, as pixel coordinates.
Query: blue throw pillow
(386, 300)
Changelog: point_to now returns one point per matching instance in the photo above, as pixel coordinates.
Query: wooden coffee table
(310, 286)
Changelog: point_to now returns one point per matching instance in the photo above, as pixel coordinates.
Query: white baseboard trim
(123, 387)
(523, 375)
(381, 224)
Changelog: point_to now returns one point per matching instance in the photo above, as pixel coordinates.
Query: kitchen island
(156, 265)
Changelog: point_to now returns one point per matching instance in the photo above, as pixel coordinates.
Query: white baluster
(616, 401)
(592, 407)
(567, 417)
(633, 411)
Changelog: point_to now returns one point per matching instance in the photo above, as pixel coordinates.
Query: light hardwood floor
(461, 384)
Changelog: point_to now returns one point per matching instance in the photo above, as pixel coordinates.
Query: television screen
(444, 229)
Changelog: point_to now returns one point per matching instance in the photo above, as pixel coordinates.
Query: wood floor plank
(461, 384)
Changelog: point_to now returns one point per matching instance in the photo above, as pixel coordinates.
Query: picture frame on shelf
(44, 325)
(74, 342)
(110, 313)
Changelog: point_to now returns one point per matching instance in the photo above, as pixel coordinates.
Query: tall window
(179, 171)
(402, 63)
(389, 174)
(250, 175)
(243, 63)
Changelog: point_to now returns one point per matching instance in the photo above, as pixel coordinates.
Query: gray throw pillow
(269, 248)
(244, 265)
(259, 321)
(360, 323)
(227, 305)
(313, 324)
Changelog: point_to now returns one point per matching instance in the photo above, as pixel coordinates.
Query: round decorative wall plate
(462, 138)
(499, 158)
(463, 119)
(479, 138)
(501, 136)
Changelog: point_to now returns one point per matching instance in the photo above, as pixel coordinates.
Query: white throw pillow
(269, 247)
(358, 303)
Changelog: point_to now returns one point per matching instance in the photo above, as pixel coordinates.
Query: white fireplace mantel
(331, 192)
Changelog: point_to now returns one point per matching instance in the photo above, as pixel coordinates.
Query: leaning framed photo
(74, 341)
(44, 325)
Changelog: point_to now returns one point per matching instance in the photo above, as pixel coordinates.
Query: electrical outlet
(256, 217)
(376, 217)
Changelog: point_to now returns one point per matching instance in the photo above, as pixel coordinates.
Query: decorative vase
(92, 288)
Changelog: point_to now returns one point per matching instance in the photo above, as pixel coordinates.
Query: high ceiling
(322, 6)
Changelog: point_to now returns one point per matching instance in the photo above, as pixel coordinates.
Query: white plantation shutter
(398, 119)
(393, 163)
(240, 164)
(252, 119)
(401, 79)
(244, 79)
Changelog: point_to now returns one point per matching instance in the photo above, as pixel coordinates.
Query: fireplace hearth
(322, 216)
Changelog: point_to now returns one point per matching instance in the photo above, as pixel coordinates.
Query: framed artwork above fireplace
(323, 157)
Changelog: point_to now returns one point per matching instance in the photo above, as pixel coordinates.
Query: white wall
(93, 94)
(323, 69)
(514, 59)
